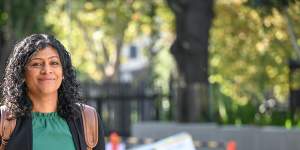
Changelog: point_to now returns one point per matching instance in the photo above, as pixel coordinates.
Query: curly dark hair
(14, 88)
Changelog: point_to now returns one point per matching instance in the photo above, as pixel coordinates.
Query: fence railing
(122, 104)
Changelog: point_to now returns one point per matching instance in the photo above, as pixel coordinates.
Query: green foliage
(3, 15)
(22, 18)
(96, 31)
(249, 55)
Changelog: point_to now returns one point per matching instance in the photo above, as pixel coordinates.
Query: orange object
(115, 140)
(231, 145)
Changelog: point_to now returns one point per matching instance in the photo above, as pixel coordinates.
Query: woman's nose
(46, 69)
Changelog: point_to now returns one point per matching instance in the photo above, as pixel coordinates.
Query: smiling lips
(46, 79)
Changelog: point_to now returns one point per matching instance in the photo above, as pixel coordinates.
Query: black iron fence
(121, 104)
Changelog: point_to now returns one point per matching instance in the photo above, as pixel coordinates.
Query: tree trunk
(190, 49)
(291, 32)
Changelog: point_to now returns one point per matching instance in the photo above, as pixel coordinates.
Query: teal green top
(50, 131)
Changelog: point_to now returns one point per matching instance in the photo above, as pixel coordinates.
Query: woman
(41, 91)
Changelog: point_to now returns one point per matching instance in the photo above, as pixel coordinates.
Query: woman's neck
(43, 103)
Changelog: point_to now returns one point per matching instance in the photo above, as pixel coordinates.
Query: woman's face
(43, 73)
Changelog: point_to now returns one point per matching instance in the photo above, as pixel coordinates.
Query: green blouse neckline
(44, 115)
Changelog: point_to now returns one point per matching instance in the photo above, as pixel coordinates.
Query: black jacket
(21, 137)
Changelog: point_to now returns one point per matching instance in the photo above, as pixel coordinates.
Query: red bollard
(231, 145)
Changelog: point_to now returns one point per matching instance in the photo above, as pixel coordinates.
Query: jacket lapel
(22, 135)
(75, 129)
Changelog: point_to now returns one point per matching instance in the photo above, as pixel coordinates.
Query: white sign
(120, 146)
(182, 141)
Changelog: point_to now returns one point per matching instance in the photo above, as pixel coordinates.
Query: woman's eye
(55, 63)
(36, 64)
